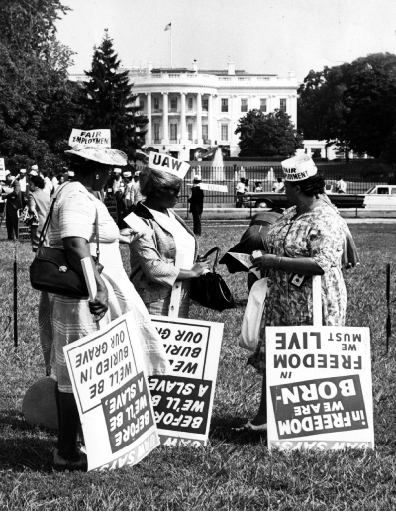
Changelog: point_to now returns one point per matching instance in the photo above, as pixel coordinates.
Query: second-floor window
(173, 103)
(190, 103)
(224, 105)
(205, 104)
(190, 131)
(244, 105)
(141, 104)
(282, 104)
(205, 132)
(263, 104)
(156, 131)
(156, 103)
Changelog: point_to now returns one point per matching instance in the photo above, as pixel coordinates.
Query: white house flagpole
(169, 27)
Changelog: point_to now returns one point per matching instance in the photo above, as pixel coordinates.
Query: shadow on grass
(225, 430)
(20, 453)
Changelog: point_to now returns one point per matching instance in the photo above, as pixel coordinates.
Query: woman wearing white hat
(67, 319)
(308, 239)
(163, 262)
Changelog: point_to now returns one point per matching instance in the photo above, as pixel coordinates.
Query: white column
(183, 118)
(148, 135)
(210, 119)
(199, 118)
(165, 131)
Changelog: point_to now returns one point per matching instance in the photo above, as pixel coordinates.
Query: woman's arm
(77, 248)
(300, 265)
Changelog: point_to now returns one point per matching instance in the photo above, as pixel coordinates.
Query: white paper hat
(94, 145)
(168, 164)
(7, 172)
(299, 167)
(33, 173)
(35, 167)
(70, 173)
(22, 170)
(137, 173)
(117, 170)
(127, 174)
(197, 177)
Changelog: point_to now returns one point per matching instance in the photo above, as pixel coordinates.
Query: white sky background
(260, 36)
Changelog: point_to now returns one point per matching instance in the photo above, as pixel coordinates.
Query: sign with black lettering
(109, 383)
(319, 388)
(183, 400)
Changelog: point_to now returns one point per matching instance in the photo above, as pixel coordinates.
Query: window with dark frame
(224, 105)
(282, 104)
(244, 105)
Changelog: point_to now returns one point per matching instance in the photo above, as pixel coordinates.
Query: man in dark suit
(196, 205)
(14, 202)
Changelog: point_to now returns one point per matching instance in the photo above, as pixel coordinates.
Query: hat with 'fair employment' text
(127, 174)
(95, 145)
(168, 164)
(299, 167)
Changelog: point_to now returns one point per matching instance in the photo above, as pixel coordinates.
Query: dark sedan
(279, 201)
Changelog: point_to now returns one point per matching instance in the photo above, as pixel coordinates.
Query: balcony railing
(174, 110)
(156, 111)
(156, 141)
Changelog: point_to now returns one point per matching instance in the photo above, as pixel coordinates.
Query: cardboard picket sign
(109, 382)
(183, 400)
(2, 169)
(319, 392)
(213, 187)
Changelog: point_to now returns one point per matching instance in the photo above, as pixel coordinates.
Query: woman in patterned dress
(308, 239)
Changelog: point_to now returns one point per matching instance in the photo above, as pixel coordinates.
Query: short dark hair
(37, 181)
(312, 186)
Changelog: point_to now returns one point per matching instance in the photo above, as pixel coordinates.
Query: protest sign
(2, 168)
(99, 138)
(183, 400)
(319, 387)
(109, 383)
(213, 187)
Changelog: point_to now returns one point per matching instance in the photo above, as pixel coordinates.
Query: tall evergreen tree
(110, 101)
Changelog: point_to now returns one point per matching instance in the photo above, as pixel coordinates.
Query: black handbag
(51, 271)
(210, 289)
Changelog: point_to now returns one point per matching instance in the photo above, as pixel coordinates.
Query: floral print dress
(320, 235)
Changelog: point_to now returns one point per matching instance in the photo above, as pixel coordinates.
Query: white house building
(192, 109)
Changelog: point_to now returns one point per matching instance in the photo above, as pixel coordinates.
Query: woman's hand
(100, 304)
(200, 267)
(266, 261)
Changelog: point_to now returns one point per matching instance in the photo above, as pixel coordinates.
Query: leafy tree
(267, 135)
(37, 101)
(353, 104)
(110, 101)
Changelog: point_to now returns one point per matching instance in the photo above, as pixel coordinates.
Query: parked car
(269, 200)
(382, 197)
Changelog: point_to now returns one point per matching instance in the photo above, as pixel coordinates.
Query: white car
(381, 197)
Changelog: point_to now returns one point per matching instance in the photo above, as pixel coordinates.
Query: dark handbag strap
(212, 250)
(48, 220)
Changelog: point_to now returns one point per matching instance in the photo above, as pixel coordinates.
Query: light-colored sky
(260, 36)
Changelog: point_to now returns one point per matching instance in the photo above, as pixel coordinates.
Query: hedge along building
(192, 109)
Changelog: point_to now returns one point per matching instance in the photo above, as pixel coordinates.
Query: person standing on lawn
(196, 205)
(68, 318)
(38, 206)
(308, 239)
(12, 194)
(163, 262)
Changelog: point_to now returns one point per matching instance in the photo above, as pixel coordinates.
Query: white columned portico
(210, 119)
(199, 118)
(165, 132)
(149, 136)
(183, 118)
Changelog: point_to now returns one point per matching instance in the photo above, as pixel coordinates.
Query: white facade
(190, 109)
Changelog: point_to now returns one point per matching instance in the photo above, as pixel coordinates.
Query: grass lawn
(235, 471)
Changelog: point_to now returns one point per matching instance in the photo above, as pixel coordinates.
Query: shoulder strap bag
(210, 289)
(51, 271)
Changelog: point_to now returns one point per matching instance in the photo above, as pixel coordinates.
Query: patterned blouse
(320, 235)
